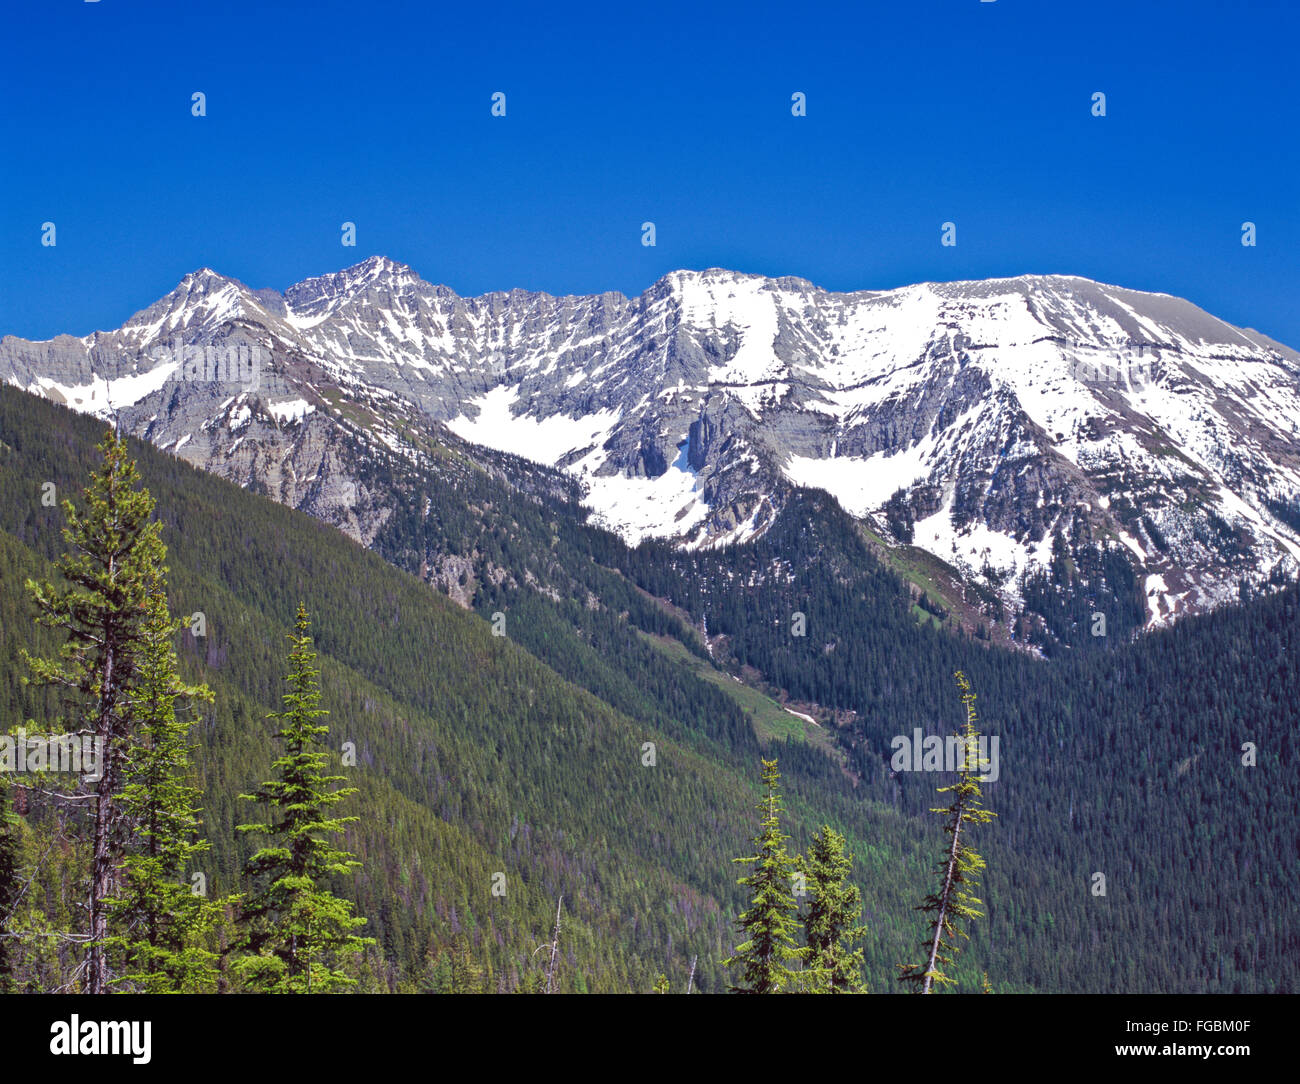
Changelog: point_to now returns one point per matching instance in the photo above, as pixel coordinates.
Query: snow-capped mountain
(978, 421)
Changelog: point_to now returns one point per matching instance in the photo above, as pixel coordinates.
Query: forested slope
(1126, 760)
(474, 757)
(522, 753)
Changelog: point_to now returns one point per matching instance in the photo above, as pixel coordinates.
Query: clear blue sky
(919, 112)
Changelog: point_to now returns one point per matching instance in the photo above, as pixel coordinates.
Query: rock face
(997, 415)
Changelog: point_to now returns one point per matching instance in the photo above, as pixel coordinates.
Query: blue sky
(918, 113)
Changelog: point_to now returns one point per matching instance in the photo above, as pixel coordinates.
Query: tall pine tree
(771, 920)
(831, 925)
(954, 903)
(165, 923)
(115, 560)
(296, 930)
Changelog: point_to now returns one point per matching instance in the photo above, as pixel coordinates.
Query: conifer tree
(115, 559)
(954, 902)
(771, 920)
(165, 923)
(296, 930)
(452, 970)
(831, 924)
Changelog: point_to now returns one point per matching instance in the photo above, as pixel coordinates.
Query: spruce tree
(954, 903)
(114, 561)
(296, 930)
(166, 925)
(831, 924)
(451, 969)
(771, 920)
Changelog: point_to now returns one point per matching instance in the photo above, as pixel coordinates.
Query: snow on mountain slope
(980, 420)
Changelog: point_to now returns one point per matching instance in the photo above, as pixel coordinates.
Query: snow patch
(641, 508)
(290, 410)
(547, 440)
(102, 396)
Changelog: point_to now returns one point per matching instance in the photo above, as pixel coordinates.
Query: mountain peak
(314, 297)
(206, 279)
(373, 266)
(709, 277)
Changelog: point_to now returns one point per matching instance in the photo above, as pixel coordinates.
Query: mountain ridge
(978, 420)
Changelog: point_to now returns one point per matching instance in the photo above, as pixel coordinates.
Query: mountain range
(986, 429)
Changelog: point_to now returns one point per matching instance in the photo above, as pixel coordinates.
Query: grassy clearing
(770, 720)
